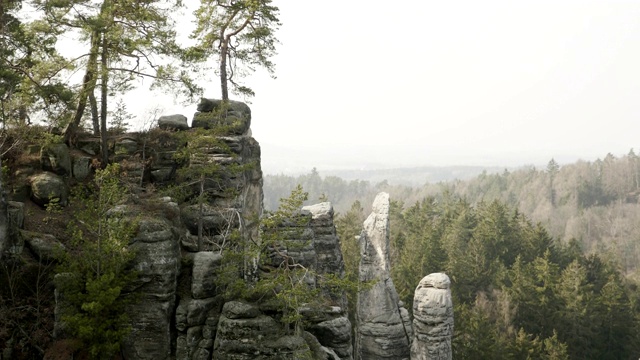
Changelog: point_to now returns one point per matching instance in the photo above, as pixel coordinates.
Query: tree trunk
(95, 120)
(88, 85)
(224, 52)
(103, 106)
(4, 223)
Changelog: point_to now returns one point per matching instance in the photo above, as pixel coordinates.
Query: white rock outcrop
(381, 332)
(432, 319)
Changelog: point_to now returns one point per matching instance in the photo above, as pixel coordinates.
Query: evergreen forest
(543, 262)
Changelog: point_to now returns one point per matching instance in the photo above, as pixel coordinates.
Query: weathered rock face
(432, 319)
(381, 332)
(245, 333)
(325, 241)
(310, 239)
(334, 333)
(181, 313)
(157, 262)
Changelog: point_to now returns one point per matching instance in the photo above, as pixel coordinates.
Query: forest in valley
(543, 262)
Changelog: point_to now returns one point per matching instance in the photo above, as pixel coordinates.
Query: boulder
(381, 332)
(44, 246)
(234, 120)
(234, 107)
(432, 319)
(56, 158)
(126, 146)
(239, 310)
(335, 334)
(47, 187)
(173, 122)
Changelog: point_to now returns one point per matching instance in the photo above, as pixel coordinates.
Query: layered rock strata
(381, 331)
(326, 246)
(245, 333)
(310, 238)
(432, 319)
(157, 263)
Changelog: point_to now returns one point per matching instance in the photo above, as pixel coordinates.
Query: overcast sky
(370, 83)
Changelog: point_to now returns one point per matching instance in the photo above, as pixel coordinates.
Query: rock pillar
(432, 319)
(381, 332)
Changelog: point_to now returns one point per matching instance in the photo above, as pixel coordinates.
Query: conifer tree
(95, 269)
(241, 33)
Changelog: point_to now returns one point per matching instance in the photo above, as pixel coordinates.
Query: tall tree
(29, 69)
(125, 40)
(552, 170)
(241, 33)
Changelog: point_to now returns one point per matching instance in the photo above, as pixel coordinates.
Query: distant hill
(414, 176)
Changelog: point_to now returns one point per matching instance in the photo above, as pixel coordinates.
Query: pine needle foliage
(96, 267)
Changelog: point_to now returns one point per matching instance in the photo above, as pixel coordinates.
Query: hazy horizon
(276, 160)
(491, 83)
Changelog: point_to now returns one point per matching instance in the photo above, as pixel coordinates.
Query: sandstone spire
(432, 319)
(381, 332)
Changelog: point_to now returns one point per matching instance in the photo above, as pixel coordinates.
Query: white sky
(370, 83)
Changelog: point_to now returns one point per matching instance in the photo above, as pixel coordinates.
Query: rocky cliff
(180, 311)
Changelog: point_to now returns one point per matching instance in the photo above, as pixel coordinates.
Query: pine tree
(241, 33)
(96, 267)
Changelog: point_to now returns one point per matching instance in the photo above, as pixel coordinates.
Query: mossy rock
(227, 125)
(231, 118)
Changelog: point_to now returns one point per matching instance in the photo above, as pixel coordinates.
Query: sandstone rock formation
(311, 239)
(157, 263)
(243, 332)
(381, 332)
(180, 312)
(173, 122)
(432, 319)
(236, 117)
(326, 245)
